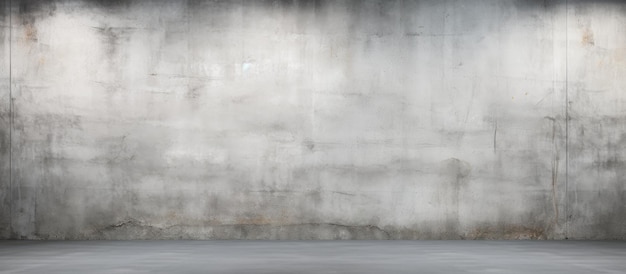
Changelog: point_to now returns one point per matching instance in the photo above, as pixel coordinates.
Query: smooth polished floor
(312, 257)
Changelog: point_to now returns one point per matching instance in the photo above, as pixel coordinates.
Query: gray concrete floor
(312, 257)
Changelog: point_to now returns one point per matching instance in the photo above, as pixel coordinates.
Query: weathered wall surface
(597, 134)
(5, 183)
(317, 119)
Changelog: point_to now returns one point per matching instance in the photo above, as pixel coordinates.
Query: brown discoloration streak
(30, 33)
(587, 38)
(510, 232)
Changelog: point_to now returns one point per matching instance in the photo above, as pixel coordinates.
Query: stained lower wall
(315, 119)
(597, 133)
(5, 135)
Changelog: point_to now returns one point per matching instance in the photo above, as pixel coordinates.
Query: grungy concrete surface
(491, 119)
(5, 124)
(546, 257)
(597, 139)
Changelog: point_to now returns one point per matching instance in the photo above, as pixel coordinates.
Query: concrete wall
(597, 111)
(5, 116)
(314, 119)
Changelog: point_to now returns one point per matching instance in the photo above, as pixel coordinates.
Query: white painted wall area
(312, 119)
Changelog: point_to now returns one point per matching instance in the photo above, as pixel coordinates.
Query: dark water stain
(596, 198)
(132, 228)
(137, 229)
(456, 168)
(300, 4)
(598, 144)
(111, 5)
(589, 2)
(112, 37)
(4, 11)
(29, 12)
(50, 122)
(309, 144)
(455, 174)
(535, 4)
(34, 8)
(555, 164)
(612, 163)
(495, 136)
(607, 221)
(4, 144)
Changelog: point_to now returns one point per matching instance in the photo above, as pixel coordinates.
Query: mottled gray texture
(5, 116)
(597, 143)
(316, 120)
(361, 257)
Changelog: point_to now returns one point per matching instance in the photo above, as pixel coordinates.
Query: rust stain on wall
(587, 38)
(30, 33)
(509, 232)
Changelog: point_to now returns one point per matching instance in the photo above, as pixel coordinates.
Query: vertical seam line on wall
(567, 214)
